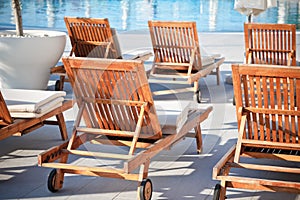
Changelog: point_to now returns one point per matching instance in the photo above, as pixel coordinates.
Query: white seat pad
(172, 114)
(137, 53)
(31, 103)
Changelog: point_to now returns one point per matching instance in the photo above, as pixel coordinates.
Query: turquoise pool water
(127, 15)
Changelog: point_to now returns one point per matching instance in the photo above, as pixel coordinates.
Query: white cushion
(172, 114)
(207, 60)
(136, 54)
(46, 108)
(31, 103)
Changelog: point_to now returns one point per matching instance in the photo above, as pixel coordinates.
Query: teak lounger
(267, 153)
(115, 103)
(23, 111)
(93, 37)
(177, 54)
(273, 44)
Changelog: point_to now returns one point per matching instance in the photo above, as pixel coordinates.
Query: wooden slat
(111, 132)
(93, 171)
(120, 94)
(98, 154)
(270, 168)
(260, 184)
(270, 144)
(81, 168)
(273, 111)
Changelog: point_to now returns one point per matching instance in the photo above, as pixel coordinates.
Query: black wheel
(198, 96)
(51, 181)
(57, 85)
(217, 192)
(233, 101)
(146, 190)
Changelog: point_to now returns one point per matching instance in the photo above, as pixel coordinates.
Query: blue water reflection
(125, 15)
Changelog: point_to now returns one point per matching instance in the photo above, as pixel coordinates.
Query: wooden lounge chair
(16, 117)
(93, 37)
(273, 44)
(267, 104)
(116, 105)
(177, 54)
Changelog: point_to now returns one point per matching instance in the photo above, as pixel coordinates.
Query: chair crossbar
(271, 111)
(105, 131)
(114, 102)
(98, 154)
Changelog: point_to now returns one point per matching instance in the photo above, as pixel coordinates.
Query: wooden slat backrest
(271, 97)
(113, 92)
(174, 41)
(270, 44)
(90, 37)
(5, 117)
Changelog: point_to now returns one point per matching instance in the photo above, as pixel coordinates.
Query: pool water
(128, 15)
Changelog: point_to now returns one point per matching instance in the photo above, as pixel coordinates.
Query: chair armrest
(205, 71)
(228, 157)
(192, 59)
(58, 69)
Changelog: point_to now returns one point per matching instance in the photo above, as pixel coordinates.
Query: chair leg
(59, 84)
(197, 92)
(223, 190)
(62, 82)
(218, 75)
(62, 126)
(198, 138)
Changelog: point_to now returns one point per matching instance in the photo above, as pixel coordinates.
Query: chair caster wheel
(198, 96)
(51, 181)
(57, 85)
(146, 189)
(217, 191)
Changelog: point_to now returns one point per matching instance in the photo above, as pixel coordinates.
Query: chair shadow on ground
(179, 173)
(182, 159)
(211, 93)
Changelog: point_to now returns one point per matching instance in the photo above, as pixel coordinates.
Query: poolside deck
(176, 174)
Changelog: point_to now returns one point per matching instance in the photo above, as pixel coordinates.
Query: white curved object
(254, 7)
(25, 62)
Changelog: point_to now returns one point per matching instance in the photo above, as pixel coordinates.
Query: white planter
(25, 62)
